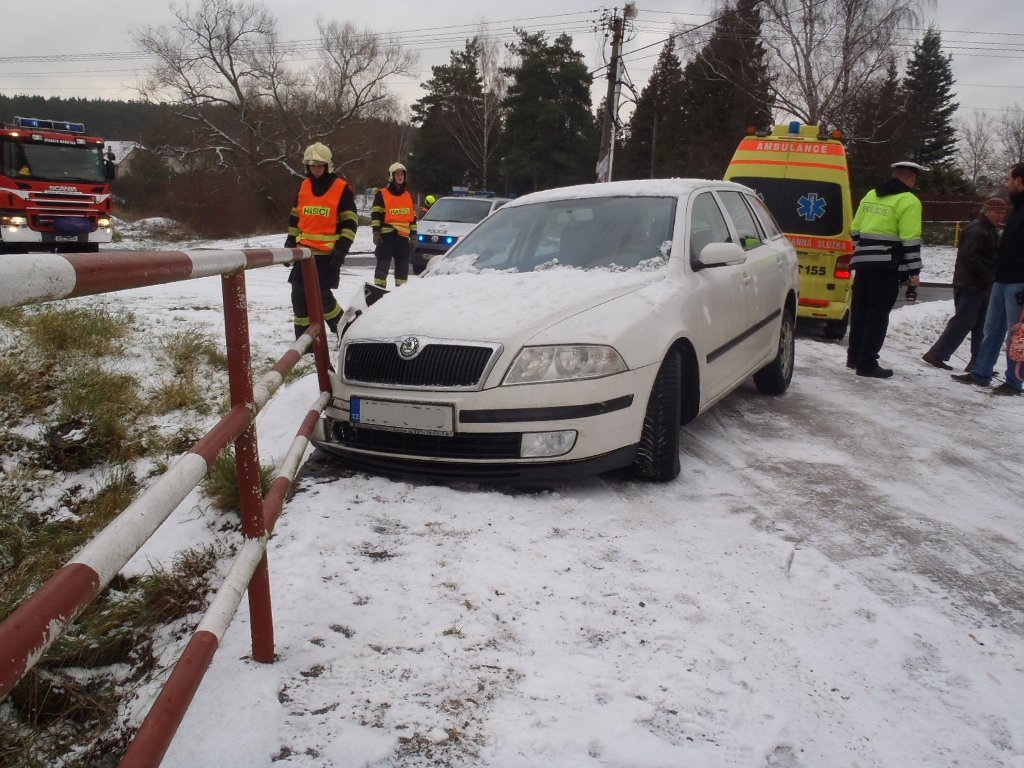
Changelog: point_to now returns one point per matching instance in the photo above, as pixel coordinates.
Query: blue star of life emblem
(810, 207)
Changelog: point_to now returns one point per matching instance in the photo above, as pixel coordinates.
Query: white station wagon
(572, 332)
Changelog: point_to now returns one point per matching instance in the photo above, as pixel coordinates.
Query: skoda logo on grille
(409, 347)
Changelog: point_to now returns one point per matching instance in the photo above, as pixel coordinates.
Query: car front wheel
(657, 455)
(774, 378)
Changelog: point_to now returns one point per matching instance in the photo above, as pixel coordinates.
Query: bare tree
(1010, 126)
(475, 122)
(223, 69)
(824, 53)
(976, 150)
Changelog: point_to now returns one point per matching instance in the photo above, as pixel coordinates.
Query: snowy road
(834, 580)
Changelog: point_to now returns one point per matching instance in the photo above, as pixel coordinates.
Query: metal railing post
(247, 460)
(315, 307)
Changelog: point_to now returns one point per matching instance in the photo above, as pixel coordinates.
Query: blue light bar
(49, 125)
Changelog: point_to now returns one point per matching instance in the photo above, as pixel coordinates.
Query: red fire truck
(54, 187)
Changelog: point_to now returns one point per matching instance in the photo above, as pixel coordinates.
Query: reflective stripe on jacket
(399, 212)
(318, 215)
(886, 232)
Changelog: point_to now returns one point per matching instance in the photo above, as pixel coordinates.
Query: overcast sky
(73, 48)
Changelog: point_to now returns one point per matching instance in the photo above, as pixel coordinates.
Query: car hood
(508, 308)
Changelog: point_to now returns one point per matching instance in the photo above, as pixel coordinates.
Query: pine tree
(877, 133)
(725, 89)
(929, 107)
(450, 144)
(651, 146)
(551, 136)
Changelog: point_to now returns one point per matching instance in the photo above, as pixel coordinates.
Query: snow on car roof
(634, 188)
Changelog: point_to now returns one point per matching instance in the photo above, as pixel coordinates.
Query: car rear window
(801, 207)
(461, 211)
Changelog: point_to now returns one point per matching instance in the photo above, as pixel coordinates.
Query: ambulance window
(764, 216)
(801, 206)
(707, 224)
(749, 233)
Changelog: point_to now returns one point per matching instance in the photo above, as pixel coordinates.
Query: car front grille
(452, 366)
(461, 446)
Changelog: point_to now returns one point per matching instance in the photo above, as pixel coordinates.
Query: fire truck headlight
(13, 222)
(103, 221)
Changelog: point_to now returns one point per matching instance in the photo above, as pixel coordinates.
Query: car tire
(836, 329)
(775, 377)
(657, 456)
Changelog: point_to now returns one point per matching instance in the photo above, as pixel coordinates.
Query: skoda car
(572, 332)
(449, 219)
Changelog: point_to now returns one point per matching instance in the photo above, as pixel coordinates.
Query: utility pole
(607, 152)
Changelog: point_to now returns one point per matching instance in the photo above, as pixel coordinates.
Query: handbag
(1015, 346)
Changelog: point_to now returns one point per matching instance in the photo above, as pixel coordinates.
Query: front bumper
(485, 441)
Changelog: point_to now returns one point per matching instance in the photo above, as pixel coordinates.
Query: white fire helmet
(395, 167)
(318, 153)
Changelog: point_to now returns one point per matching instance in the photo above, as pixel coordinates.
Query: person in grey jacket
(973, 274)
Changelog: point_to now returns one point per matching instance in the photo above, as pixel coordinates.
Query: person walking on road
(323, 219)
(393, 219)
(886, 234)
(1007, 298)
(973, 275)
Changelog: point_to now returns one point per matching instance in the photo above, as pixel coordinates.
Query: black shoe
(933, 361)
(851, 363)
(1005, 389)
(878, 372)
(964, 378)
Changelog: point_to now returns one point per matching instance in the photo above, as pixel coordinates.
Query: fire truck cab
(54, 188)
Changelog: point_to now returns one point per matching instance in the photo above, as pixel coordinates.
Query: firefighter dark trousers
(874, 295)
(329, 277)
(392, 246)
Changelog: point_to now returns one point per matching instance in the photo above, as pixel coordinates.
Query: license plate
(66, 238)
(423, 418)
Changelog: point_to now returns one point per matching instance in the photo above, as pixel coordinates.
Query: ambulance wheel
(836, 329)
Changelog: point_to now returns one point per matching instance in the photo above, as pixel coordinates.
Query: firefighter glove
(376, 238)
(412, 245)
(289, 242)
(336, 259)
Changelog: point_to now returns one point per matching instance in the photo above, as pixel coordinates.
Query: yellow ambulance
(803, 178)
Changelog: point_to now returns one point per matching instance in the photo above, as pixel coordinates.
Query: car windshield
(614, 233)
(459, 210)
(800, 206)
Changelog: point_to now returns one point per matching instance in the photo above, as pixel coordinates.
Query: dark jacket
(1010, 263)
(976, 256)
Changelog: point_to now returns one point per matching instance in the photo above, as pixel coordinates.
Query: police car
(448, 220)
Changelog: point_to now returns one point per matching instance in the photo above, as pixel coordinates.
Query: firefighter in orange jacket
(324, 220)
(393, 219)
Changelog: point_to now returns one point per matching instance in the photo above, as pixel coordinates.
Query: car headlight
(564, 362)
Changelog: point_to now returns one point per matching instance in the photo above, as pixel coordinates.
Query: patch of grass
(88, 330)
(221, 482)
(56, 718)
(34, 548)
(184, 356)
(95, 419)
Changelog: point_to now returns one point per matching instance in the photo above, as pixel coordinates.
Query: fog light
(537, 445)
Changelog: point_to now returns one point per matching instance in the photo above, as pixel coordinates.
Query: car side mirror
(720, 255)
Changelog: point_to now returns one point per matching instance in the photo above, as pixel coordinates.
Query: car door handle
(747, 277)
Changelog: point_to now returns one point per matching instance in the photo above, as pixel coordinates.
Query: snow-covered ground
(836, 579)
